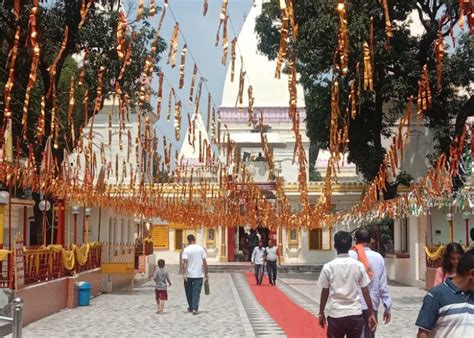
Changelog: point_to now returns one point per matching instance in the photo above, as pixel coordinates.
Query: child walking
(161, 293)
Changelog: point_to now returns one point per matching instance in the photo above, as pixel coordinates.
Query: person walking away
(161, 293)
(378, 288)
(447, 309)
(451, 256)
(472, 239)
(340, 280)
(258, 260)
(272, 255)
(253, 241)
(194, 259)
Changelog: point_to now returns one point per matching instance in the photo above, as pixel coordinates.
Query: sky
(200, 34)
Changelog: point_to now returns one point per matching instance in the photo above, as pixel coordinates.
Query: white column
(397, 235)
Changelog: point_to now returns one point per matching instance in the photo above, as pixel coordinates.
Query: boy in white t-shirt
(194, 259)
(340, 280)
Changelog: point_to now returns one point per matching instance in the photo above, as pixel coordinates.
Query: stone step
(247, 267)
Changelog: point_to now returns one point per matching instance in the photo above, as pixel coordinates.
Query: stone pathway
(259, 319)
(303, 290)
(230, 311)
(132, 314)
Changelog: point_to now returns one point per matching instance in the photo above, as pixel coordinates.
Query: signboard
(181, 226)
(19, 263)
(125, 268)
(160, 237)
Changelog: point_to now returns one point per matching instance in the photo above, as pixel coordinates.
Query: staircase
(242, 267)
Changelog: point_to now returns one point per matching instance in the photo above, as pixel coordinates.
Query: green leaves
(396, 70)
(97, 35)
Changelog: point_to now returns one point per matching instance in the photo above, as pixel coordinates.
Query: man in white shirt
(194, 258)
(272, 255)
(258, 259)
(340, 280)
(378, 288)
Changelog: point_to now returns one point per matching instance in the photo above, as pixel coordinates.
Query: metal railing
(17, 318)
(43, 265)
(145, 248)
(93, 260)
(6, 272)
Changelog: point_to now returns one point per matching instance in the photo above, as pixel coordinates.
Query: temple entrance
(241, 242)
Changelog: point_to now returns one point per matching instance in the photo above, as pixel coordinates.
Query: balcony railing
(144, 248)
(93, 259)
(6, 272)
(42, 264)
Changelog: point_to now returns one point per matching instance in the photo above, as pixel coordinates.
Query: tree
(396, 71)
(98, 35)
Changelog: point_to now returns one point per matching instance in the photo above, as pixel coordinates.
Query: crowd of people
(353, 287)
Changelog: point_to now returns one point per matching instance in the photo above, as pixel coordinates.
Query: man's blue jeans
(259, 271)
(193, 287)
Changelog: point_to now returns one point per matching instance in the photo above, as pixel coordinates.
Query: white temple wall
(114, 227)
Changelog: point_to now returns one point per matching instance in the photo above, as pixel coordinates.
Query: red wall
(44, 299)
(231, 244)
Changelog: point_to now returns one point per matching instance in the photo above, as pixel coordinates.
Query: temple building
(271, 102)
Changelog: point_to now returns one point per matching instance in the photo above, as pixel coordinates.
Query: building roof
(268, 91)
(189, 154)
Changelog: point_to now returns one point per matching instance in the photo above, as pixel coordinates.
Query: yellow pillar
(2, 224)
(451, 231)
(280, 243)
(223, 257)
(86, 230)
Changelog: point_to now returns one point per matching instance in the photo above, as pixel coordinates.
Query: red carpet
(293, 319)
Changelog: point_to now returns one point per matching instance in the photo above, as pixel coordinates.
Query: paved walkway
(133, 314)
(303, 290)
(230, 311)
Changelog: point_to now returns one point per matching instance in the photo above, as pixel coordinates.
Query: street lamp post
(449, 218)
(44, 206)
(75, 211)
(87, 213)
(466, 215)
(4, 200)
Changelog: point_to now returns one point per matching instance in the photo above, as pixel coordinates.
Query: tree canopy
(96, 37)
(397, 68)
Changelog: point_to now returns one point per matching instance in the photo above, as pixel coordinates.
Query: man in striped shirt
(448, 309)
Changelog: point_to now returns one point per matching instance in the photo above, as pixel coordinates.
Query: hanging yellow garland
(434, 255)
(82, 253)
(68, 259)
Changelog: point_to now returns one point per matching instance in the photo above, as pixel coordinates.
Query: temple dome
(268, 91)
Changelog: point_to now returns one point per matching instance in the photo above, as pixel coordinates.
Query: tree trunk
(461, 118)
(313, 153)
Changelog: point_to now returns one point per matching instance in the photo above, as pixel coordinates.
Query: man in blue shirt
(448, 309)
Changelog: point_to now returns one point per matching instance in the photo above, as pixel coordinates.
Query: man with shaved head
(378, 279)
